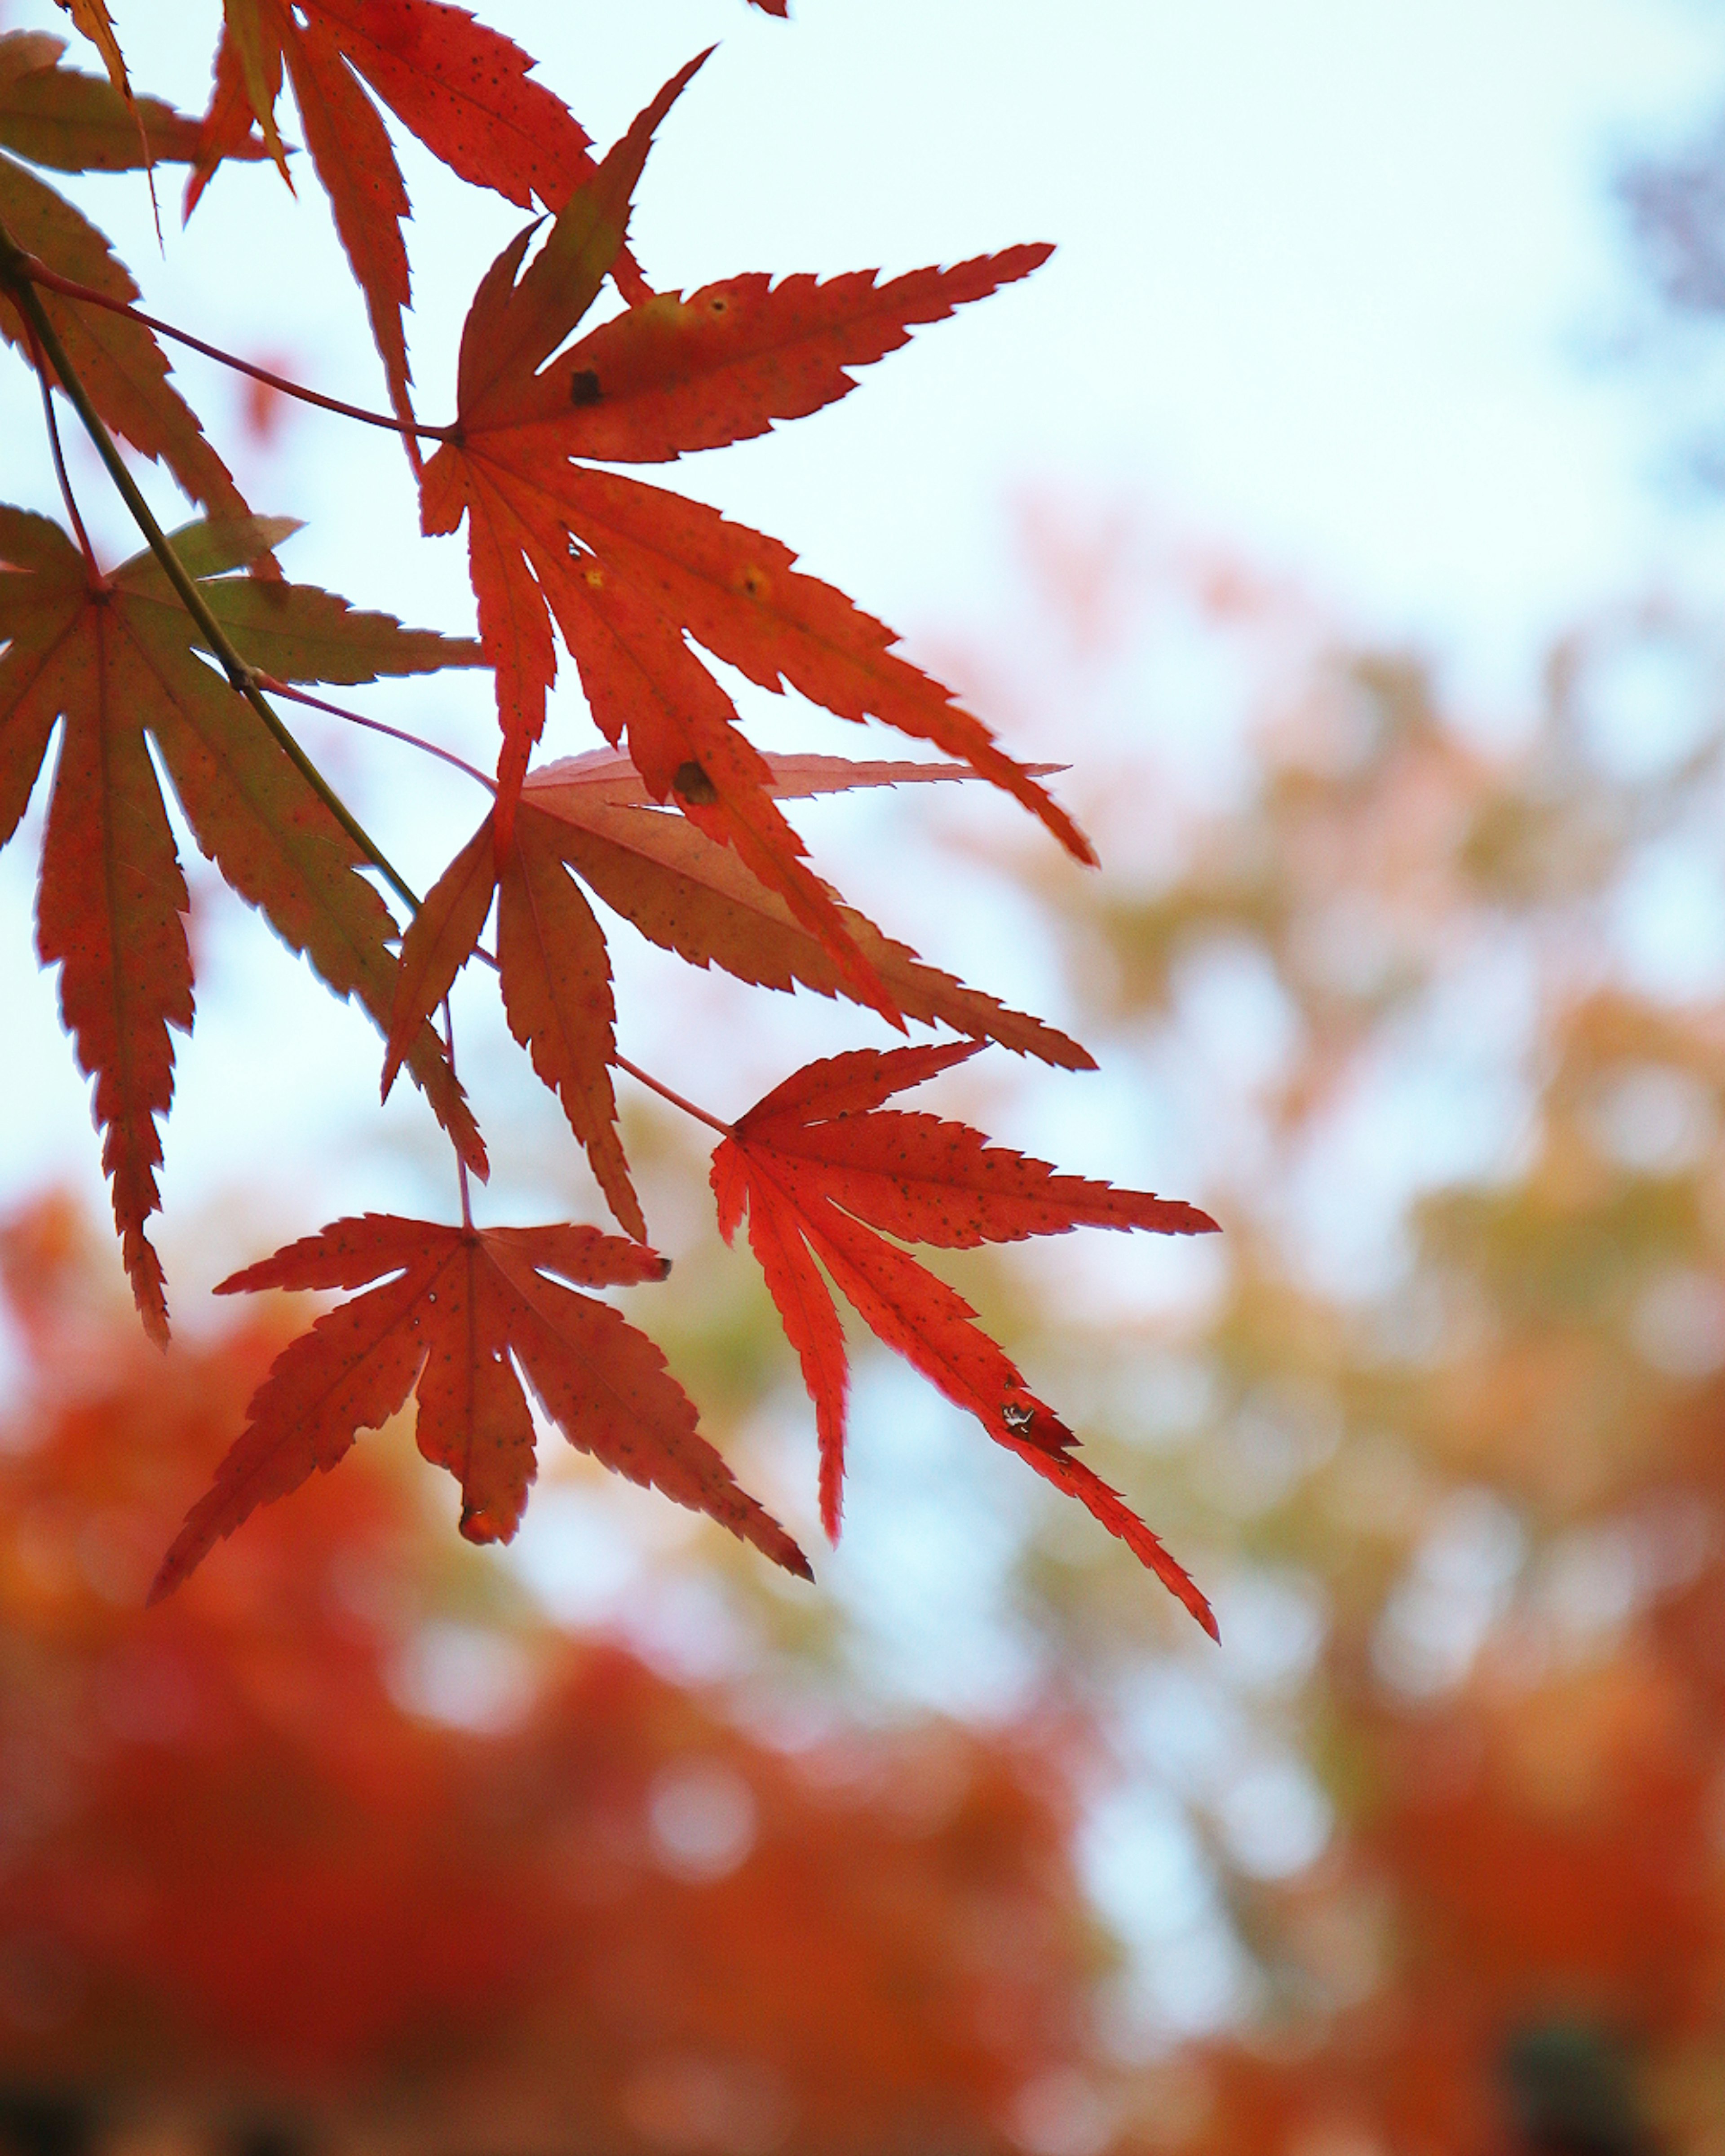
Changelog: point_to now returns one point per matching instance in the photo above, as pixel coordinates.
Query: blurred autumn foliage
(244, 1881)
(1448, 1811)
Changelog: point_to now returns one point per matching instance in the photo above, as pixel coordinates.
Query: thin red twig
(677, 1100)
(276, 688)
(39, 273)
(59, 461)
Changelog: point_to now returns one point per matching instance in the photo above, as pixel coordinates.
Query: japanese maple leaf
(78, 123)
(461, 1311)
(115, 658)
(824, 1173)
(462, 89)
(592, 815)
(631, 573)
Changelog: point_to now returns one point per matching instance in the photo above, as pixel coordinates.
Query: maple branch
(39, 273)
(677, 1100)
(240, 676)
(375, 725)
(59, 459)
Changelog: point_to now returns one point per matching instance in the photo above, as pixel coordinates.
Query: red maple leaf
(462, 89)
(461, 1309)
(590, 820)
(631, 573)
(825, 1173)
(115, 658)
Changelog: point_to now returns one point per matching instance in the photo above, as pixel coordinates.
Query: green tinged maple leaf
(78, 123)
(115, 658)
(461, 1310)
(825, 1173)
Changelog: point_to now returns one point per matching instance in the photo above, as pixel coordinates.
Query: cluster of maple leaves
(676, 826)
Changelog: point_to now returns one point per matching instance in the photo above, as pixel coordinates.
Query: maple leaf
(824, 1173)
(462, 89)
(77, 123)
(630, 573)
(115, 659)
(686, 892)
(463, 1307)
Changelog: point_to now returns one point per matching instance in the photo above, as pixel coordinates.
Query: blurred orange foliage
(237, 1869)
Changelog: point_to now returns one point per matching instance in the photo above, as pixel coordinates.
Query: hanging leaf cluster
(171, 667)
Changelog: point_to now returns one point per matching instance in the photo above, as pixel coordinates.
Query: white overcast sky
(1328, 276)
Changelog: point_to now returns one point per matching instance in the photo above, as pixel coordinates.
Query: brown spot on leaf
(584, 386)
(691, 783)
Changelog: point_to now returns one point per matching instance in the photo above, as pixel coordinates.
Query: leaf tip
(148, 1288)
(483, 1523)
(168, 1575)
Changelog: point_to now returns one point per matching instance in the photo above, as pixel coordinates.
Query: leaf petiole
(460, 1164)
(677, 1100)
(39, 273)
(374, 726)
(59, 459)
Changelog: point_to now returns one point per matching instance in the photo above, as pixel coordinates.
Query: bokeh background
(1341, 504)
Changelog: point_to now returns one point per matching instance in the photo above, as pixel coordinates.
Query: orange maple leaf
(824, 1173)
(592, 816)
(631, 573)
(462, 1307)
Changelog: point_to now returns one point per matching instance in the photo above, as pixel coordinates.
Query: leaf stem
(375, 725)
(59, 459)
(39, 273)
(677, 1100)
(460, 1164)
(15, 277)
